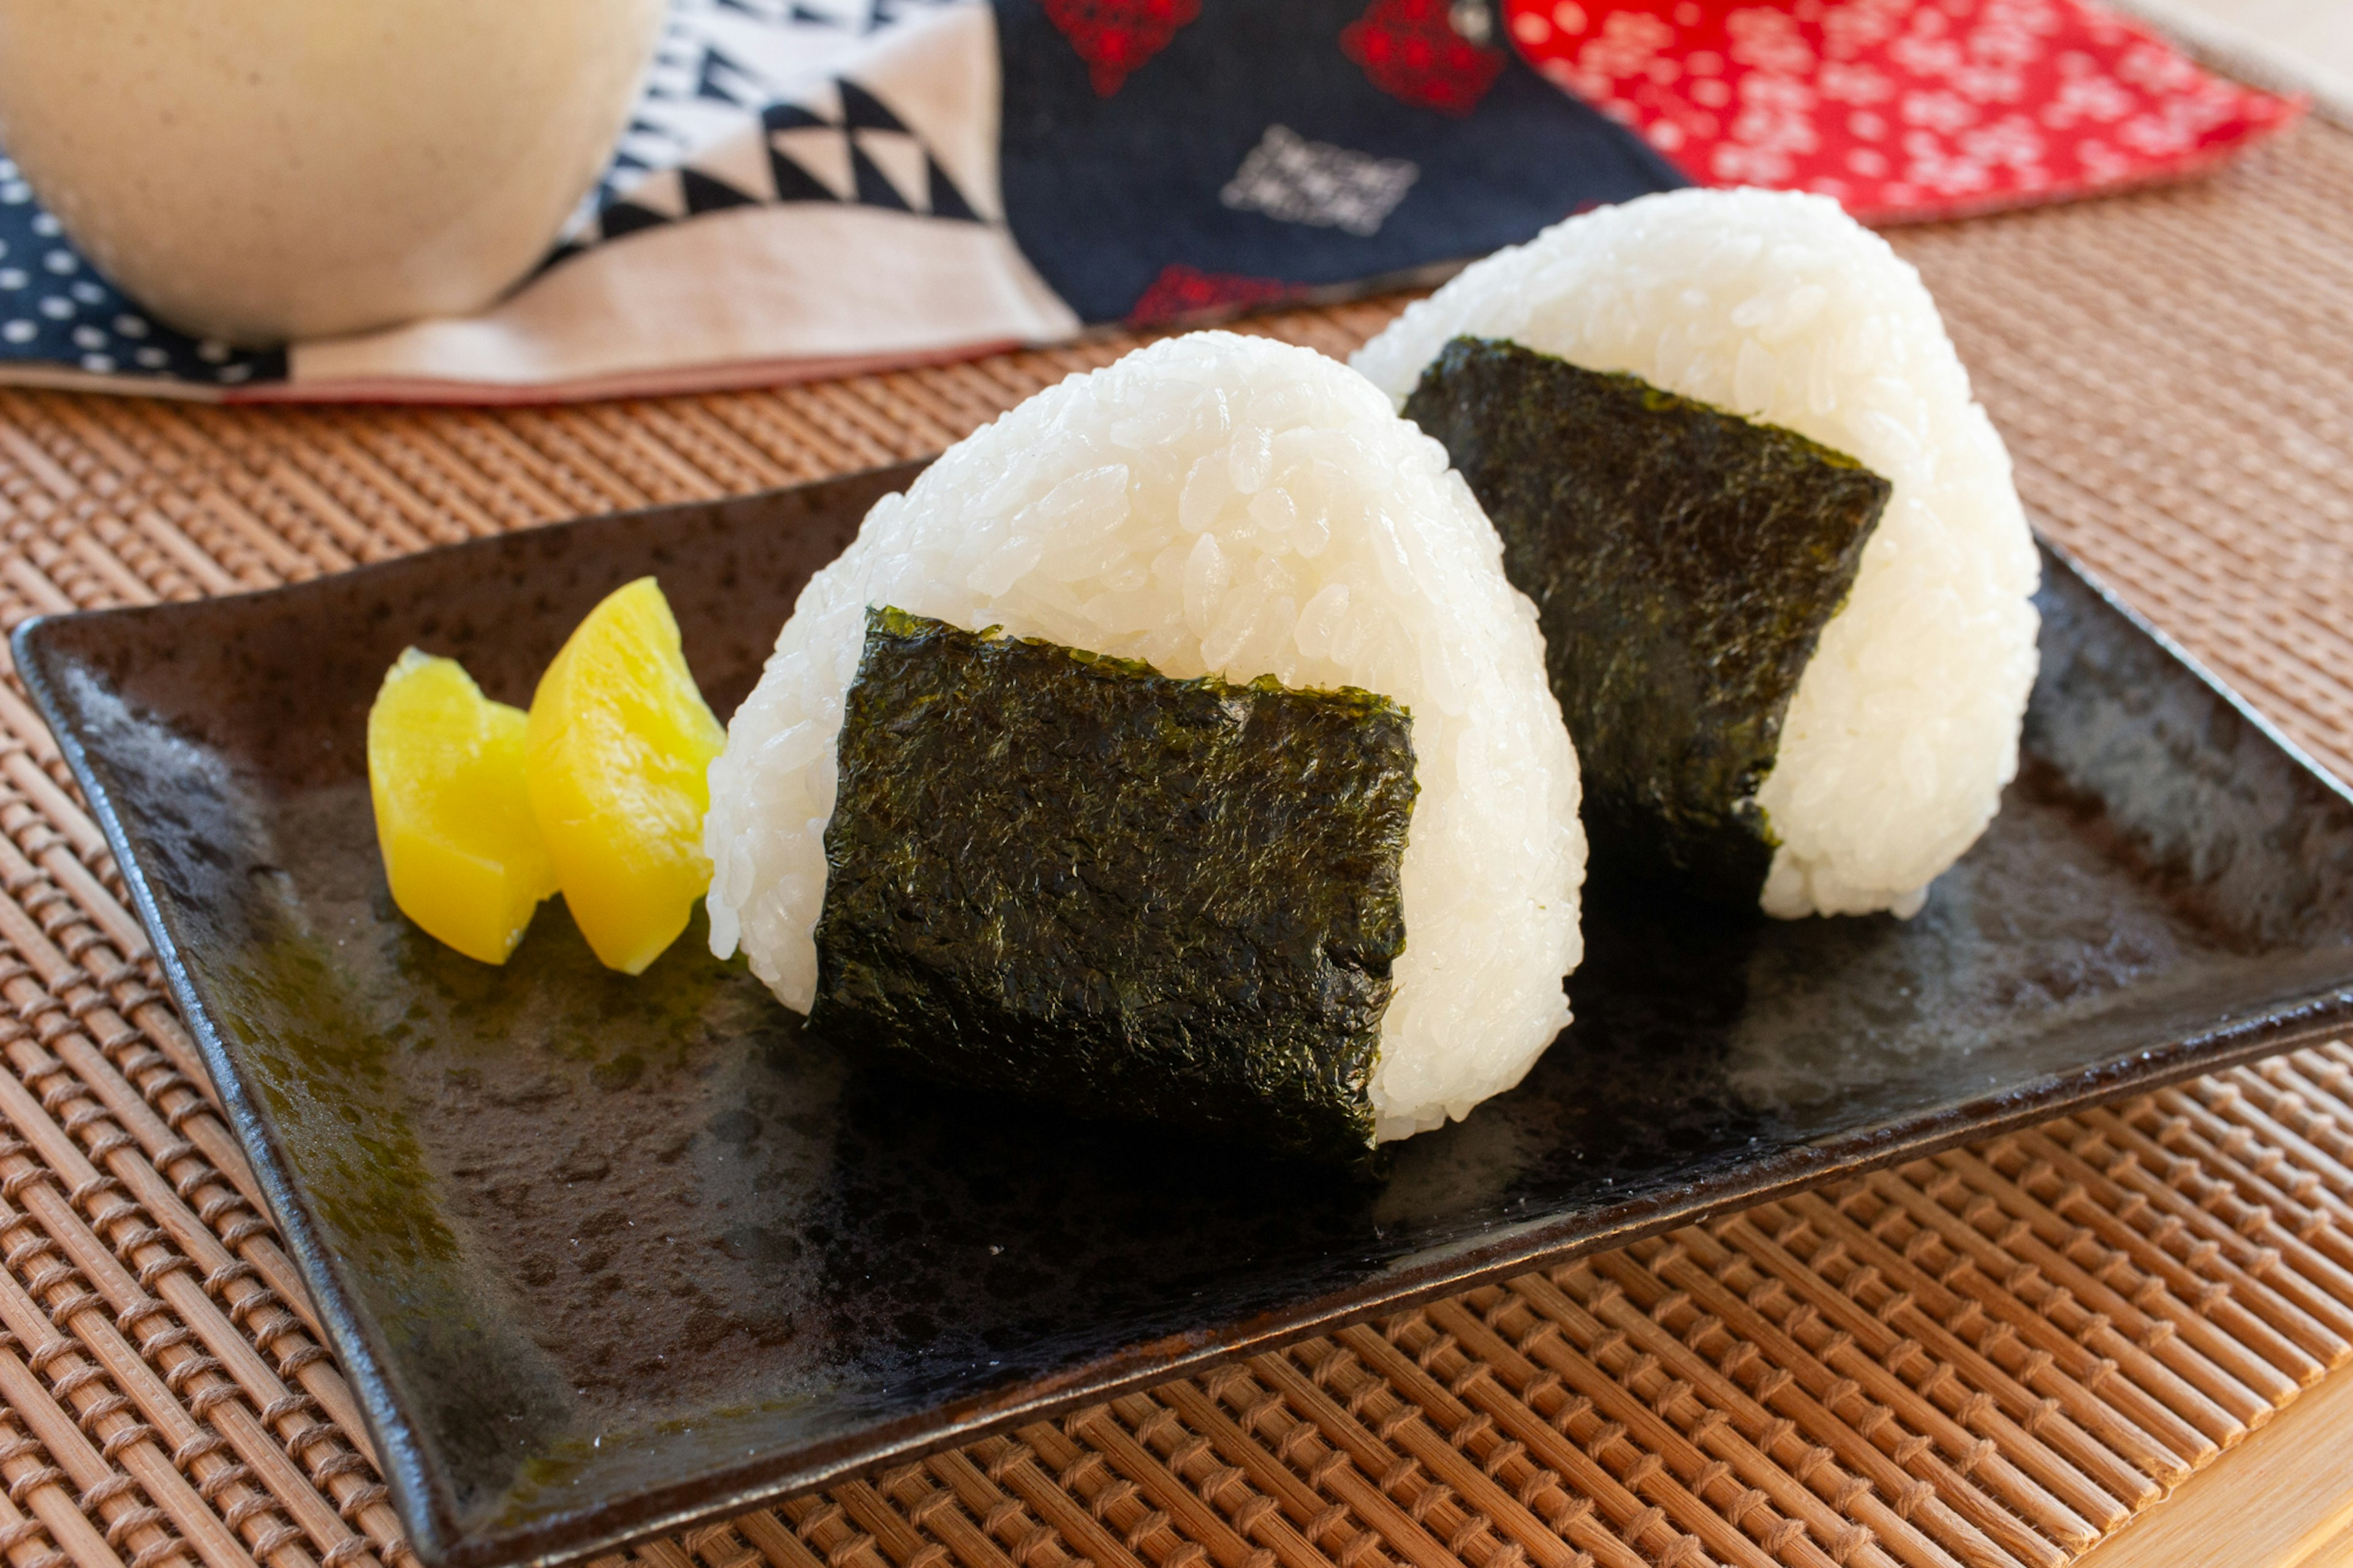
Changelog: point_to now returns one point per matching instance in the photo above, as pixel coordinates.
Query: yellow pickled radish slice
(453, 816)
(620, 740)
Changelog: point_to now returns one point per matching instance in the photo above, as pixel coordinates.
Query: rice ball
(1227, 504)
(1779, 307)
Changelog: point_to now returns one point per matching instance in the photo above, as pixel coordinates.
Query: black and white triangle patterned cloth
(839, 143)
(730, 118)
(720, 61)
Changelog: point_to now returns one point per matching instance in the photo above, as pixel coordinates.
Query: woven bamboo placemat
(1994, 1357)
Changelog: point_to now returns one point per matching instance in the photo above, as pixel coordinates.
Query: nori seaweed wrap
(1070, 877)
(1683, 561)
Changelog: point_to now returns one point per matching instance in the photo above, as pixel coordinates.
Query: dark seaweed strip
(1072, 879)
(1683, 561)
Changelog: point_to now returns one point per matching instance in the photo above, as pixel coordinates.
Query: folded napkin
(815, 187)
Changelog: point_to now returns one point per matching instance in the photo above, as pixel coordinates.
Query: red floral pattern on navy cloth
(1115, 36)
(1183, 293)
(1410, 51)
(1901, 109)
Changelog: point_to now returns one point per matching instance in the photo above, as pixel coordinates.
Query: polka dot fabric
(57, 312)
(1901, 109)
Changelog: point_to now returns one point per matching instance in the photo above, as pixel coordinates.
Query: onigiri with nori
(1210, 506)
(1889, 756)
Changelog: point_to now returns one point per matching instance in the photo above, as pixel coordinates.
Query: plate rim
(567, 1536)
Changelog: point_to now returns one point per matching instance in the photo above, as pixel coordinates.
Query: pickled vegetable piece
(621, 742)
(453, 818)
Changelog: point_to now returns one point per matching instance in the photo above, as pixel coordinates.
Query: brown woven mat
(1994, 1357)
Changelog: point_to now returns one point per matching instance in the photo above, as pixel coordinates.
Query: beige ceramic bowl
(260, 169)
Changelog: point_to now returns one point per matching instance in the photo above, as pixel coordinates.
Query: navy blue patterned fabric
(1105, 194)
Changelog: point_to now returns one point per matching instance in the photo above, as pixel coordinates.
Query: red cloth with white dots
(1901, 109)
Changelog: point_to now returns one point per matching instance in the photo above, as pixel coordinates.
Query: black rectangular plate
(606, 1257)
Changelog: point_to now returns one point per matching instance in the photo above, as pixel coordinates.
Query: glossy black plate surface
(605, 1257)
